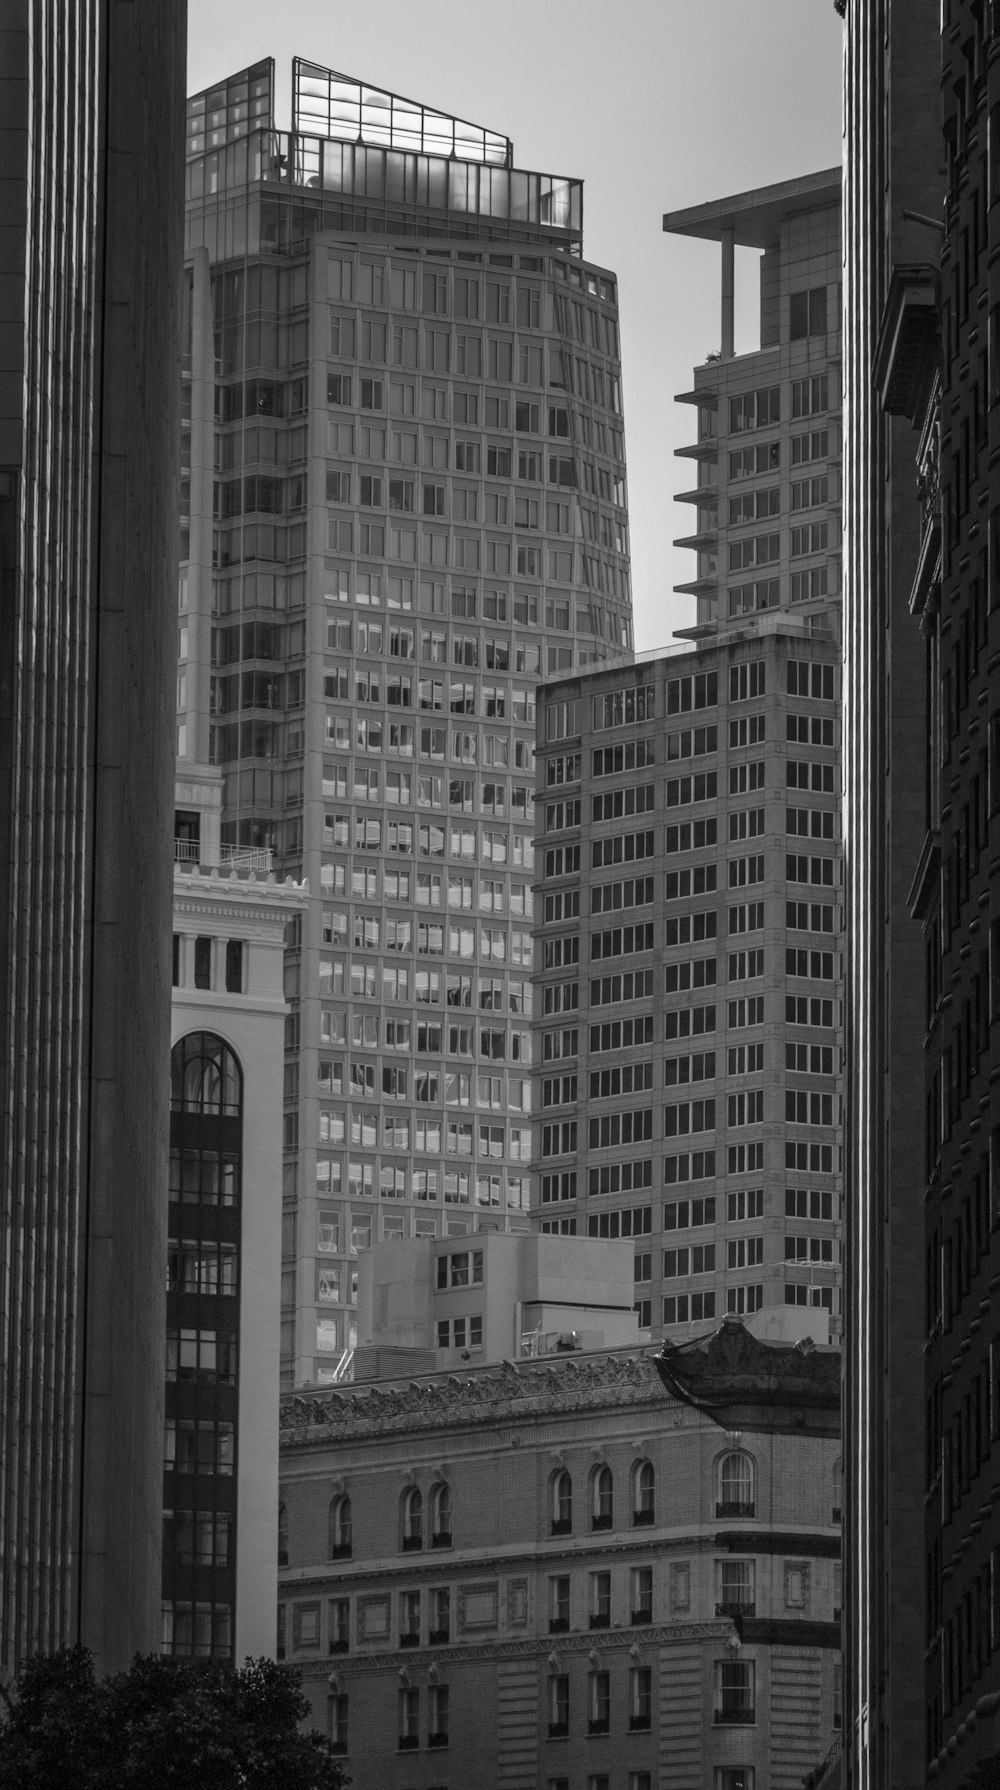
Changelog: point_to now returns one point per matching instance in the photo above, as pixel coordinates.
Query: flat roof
(756, 217)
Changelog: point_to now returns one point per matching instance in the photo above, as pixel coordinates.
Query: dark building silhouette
(922, 1628)
(91, 154)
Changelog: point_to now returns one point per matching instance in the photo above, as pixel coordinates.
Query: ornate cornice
(733, 1376)
(661, 1634)
(511, 1391)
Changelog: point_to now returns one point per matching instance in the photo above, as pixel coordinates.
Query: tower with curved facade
(404, 505)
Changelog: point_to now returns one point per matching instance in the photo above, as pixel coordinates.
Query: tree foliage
(165, 1724)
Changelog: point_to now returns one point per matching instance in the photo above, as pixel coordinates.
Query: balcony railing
(735, 1715)
(736, 1606)
(232, 860)
(733, 1507)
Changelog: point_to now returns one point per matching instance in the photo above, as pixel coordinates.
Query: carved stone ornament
(524, 1390)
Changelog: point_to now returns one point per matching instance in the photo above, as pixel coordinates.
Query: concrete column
(728, 309)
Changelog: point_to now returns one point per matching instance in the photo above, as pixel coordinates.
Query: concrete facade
(224, 1251)
(498, 1297)
(547, 1574)
(689, 1019)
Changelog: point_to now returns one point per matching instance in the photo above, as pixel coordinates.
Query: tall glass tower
(406, 505)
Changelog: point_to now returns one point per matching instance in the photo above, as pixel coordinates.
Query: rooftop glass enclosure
(327, 104)
(373, 184)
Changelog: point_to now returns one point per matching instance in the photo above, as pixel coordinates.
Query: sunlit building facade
(406, 504)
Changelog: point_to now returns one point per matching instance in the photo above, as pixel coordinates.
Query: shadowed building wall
(89, 258)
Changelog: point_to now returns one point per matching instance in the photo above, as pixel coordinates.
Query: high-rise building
(90, 254)
(892, 227)
(768, 449)
(220, 1462)
(688, 1026)
(921, 729)
(688, 1017)
(405, 504)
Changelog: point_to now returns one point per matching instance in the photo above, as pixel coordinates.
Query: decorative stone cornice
(737, 1379)
(512, 1391)
(661, 1634)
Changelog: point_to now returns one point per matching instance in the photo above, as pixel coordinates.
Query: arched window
(643, 1488)
(341, 1529)
(441, 1516)
(601, 1498)
(838, 1491)
(562, 1503)
(412, 1515)
(736, 1486)
(205, 1076)
(282, 1535)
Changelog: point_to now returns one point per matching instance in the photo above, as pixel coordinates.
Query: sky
(656, 105)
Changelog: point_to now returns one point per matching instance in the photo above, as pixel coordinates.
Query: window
(340, 1624)
(598, 1702)
(337, 1721)
(203, 963)
(440, 1629)
(282, 1535)
(409, 1619)
(601, 1498)
(641, 1593)
(643, 1487)
(441, 1516)
(558, 1706)
(562, 1503)
(736, 1486)
(735, 1587)
(341, 1529)
(640, 1698)
(734, 1691)
(409, 1720)
(807, 313)
(559, 1604)
(600, 1600)
(412, 1519)
(437, 1715)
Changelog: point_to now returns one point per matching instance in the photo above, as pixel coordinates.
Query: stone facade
(556, 1573)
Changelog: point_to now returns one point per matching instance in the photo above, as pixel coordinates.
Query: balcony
(409, 1640)
(600, 1621)
(408, 1743)
(558, 1625)
(437, 1740)
(640, 1617)
(735, 1508)
(735, 1715)
(599, 1724)
(736, 1606)
(341, 1550)
(562, 1525)
(600, 1522)
(442, 1539)
(558, 1730)
(412, 1544)
(642, 1519)
(232, 860)
(639, 1724)
(340, 1646)
(438, 1637)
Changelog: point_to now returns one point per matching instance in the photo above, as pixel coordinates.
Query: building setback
(564, 1572)
(406, 504)
(90, 256)
(688, 1017)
